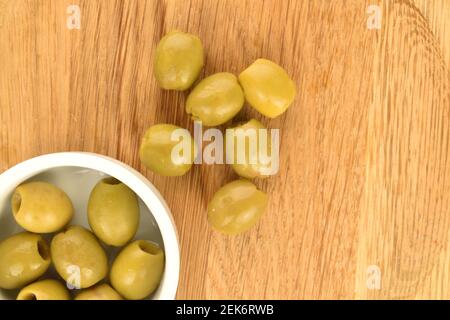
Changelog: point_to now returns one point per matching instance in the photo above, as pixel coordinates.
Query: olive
(24, 257)
(267, 87)
(137, 270)
(78, 257)
(216, 99)
(44, 290)
(236, 207)
(246, 160)
(162, 152)
(41, 207)
(99, 292)
(178, 60)
(113, 212)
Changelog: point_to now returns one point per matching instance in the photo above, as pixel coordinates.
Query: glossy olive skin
(24, 257)
(178, 61)
(41, 207)
(99, 292)
(137, 270)
(113, 212)
(216, 99)
(78, 257)
(247, 168)
(236, 207)
(44, 290)
(156, 151)
(267, 87)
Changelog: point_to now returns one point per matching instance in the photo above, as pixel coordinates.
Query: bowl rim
(148, 193)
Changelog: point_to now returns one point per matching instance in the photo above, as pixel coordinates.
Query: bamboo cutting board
(361, 205)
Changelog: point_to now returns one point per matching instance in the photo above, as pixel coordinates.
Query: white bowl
(77, 173)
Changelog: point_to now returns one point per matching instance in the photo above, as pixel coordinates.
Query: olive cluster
(214, 101)
(75, 252)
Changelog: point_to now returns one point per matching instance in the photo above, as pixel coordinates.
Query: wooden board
(365, 165)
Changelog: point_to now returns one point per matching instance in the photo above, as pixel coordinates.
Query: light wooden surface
(365, 172)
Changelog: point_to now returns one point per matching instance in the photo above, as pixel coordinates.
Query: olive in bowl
(44, 290)
(24, 257)
(137, 270)
(99, 292)
(113, 212)
(78, 257)
(41, 207)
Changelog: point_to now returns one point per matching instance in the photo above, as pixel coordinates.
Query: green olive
(236, 207)
(24, 257)
(216, 99)
(99, 292)
(113, 212)
(137, 270)
(246, 158)
(178, 60)
(267, 87)
(161, 144)
(41, 207)
(78, 257)
(44, 290)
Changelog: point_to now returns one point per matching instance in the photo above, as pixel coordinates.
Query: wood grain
(365, 172)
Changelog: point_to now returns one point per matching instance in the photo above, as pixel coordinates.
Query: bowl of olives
(84, 226)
